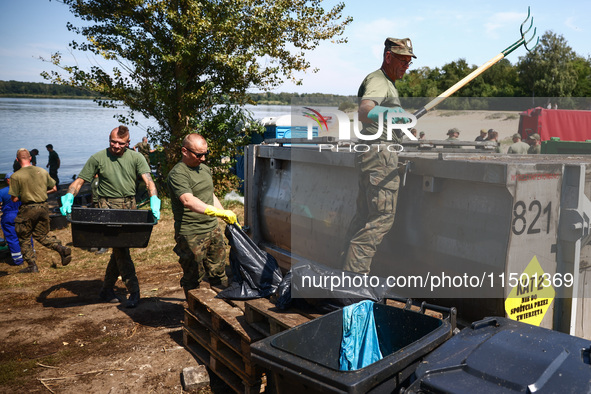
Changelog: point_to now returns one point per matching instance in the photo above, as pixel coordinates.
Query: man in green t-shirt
(518, 147)
(377, 168)
(30, 185)
(199, 241)
(118, 168)
(53, 163)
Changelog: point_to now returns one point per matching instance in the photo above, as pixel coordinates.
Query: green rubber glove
(67, 201)
(227, 215)
(155, 206)
(378, 111)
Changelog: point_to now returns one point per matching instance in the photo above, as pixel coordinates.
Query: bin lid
(501, 355)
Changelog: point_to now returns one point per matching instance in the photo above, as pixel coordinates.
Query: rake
(522, 41)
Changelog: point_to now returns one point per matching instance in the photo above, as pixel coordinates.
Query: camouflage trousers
(199, 255)
(32, 220)
(376, 208)
(120, 263)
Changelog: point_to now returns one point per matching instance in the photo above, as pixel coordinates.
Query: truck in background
(561, 130)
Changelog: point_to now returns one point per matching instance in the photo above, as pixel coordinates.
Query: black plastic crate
(305, 358)
(111, 228)
(499, 355)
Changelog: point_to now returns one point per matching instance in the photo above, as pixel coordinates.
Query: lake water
(76, 128)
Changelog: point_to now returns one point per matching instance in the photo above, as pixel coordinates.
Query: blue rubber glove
(378, 111)
(155, 206)
(67, 201)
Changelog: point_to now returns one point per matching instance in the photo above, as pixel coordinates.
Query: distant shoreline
(42, 96)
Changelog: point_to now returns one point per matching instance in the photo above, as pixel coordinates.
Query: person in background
(377, 169)
(53, 163)
(493, 136)
(30, 185)
(535, 144)
(482, 136)
(118, 168)
(34, 153)
(144, 148)
(9, 212)
(199, 241)
(422, 135)
(518, 147)
(453, 134)
(413, 131)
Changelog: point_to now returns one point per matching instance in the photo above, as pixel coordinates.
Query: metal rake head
(523, 33)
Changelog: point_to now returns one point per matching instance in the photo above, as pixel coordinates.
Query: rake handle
(464, 81)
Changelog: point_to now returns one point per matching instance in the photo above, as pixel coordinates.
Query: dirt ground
(57, 337)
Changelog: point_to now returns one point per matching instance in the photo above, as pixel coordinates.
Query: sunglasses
(405, 63)
(197, 155)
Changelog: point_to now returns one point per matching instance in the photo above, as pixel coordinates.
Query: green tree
(548, 71)
(182, 62)
(583, 69)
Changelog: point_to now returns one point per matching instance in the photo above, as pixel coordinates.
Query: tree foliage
(549, 69)
(186, 62)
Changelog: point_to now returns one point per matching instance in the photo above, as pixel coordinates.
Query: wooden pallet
(217, 334)
(264, 317)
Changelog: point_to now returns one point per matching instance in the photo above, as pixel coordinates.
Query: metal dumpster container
(481, 215)
(498, 355)
(305, 359)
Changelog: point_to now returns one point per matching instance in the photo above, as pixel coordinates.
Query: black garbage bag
(282, 297)
(256, 273)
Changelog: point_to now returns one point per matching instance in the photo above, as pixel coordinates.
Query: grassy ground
(57, 336)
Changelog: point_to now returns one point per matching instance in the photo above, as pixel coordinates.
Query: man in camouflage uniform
(118, 168)
(199, 240)
(536, 144)
(377, 168)
(144, 148)
(30, 185)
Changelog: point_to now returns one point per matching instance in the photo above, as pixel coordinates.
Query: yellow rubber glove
(227, 215)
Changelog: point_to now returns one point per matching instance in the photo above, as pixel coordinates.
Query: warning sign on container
(531, 295)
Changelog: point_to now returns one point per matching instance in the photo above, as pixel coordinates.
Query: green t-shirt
(30, 184)
(197, 181)
(379, 88)
(519, 148)
(117, 174)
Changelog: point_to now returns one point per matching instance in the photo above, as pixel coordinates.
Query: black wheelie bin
(305, 359)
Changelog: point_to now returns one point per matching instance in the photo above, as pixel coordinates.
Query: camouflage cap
(454, 130)
(400, 46)
(516, 135)
(483, 131)
(535, 136)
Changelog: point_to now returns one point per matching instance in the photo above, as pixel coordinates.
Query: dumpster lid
(502, 355)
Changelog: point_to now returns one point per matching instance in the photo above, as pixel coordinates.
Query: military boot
(32, 268)
(108, 295)
(65, 253)
(133, 300)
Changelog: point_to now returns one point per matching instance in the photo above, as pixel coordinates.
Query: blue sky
(441, 32)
